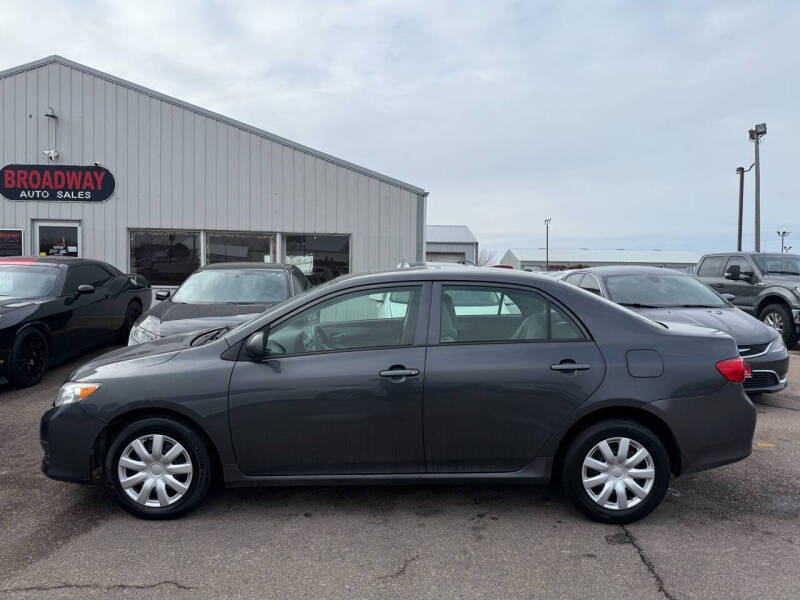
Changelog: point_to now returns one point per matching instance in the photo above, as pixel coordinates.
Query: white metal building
(99, 167)
(450, 243)
(535, 259)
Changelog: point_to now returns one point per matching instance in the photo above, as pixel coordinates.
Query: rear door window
(468, 316)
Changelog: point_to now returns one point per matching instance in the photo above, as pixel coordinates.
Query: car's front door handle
(570, 366)
(399, 373)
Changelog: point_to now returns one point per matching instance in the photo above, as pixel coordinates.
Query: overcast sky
(623, 121)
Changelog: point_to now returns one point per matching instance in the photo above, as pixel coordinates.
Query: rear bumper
(710, 430)
(67, 434)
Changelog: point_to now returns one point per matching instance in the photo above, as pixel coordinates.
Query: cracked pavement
(729, 533)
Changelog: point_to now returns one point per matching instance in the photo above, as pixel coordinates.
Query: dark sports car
(54, 308)
(218, 295)
(669, 296)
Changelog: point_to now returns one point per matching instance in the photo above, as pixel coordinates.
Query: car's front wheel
(780, 318)
(158, 468)
(616, 471)
(29, 357)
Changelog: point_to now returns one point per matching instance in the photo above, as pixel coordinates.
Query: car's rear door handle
(569, 366)
(399, 373)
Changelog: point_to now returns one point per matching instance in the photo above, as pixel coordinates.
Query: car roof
(49, 261)
(224, 266)
(431, 272)
(630, 270)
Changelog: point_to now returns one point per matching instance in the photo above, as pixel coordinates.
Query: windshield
(234, 286)
(18, 281)
(782, 264)
(661, 290)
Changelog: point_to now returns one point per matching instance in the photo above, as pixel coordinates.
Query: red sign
(56, 183)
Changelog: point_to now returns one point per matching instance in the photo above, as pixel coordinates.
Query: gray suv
(765, 285)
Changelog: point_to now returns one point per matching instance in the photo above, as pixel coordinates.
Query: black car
(766, 286)
(332, 388)
(669, 296)
(219, 295)
(56, 307)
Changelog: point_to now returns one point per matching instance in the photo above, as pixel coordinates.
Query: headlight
(140, 335)
(74, 392)
(776, 345)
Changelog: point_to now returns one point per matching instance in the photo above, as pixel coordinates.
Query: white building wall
(181, 167)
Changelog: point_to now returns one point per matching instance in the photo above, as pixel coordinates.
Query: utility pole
(783, 235)
(741, 171)
(755, 134)
(547, 244)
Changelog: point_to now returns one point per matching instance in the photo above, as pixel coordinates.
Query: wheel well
(119, 422)
(638, 415)
(771, 300)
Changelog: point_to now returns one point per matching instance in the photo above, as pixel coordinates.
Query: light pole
(783, 235)
(755, 134)
(741, 171)
(547, 244)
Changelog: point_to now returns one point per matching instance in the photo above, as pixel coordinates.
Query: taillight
(502, 266)
(733, 369)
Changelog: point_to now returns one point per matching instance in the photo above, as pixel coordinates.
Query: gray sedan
(668, 296)
(473, 375)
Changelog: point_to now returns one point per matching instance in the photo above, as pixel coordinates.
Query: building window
(164, 257)
(319, 257)
(239, 247)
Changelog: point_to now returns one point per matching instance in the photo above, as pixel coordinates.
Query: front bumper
(796, 315)
(67, 434)
(709, 430)
(769, 372)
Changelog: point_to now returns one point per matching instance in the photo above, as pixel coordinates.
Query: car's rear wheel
(616, 471)
(29, 356)
(779, 317)
(132, 312)
(158, 468)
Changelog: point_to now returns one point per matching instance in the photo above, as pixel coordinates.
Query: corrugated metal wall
(178, 168)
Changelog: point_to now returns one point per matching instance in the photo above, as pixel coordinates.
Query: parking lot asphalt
(729, 533)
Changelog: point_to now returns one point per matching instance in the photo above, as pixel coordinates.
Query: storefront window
(165, 257)
(320, 257)
(239, 247)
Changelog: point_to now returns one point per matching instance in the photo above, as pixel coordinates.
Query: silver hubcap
(155, 470)
(774, 320)
(618, 473)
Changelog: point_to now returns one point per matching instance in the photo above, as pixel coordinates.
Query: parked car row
(421, 374)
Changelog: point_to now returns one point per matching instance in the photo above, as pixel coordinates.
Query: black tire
(29, 357)
(198, 455)
(789, 333)
(132, 312)
(572, 471)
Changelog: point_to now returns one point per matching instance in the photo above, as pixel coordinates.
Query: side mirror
(163, 294)
(256, 345)
(733, 272)
(748, 276)
(728, 297)
(85, 289)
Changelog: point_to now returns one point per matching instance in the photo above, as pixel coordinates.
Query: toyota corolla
(331, 388)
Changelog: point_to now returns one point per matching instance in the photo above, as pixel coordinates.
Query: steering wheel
(322, 340)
